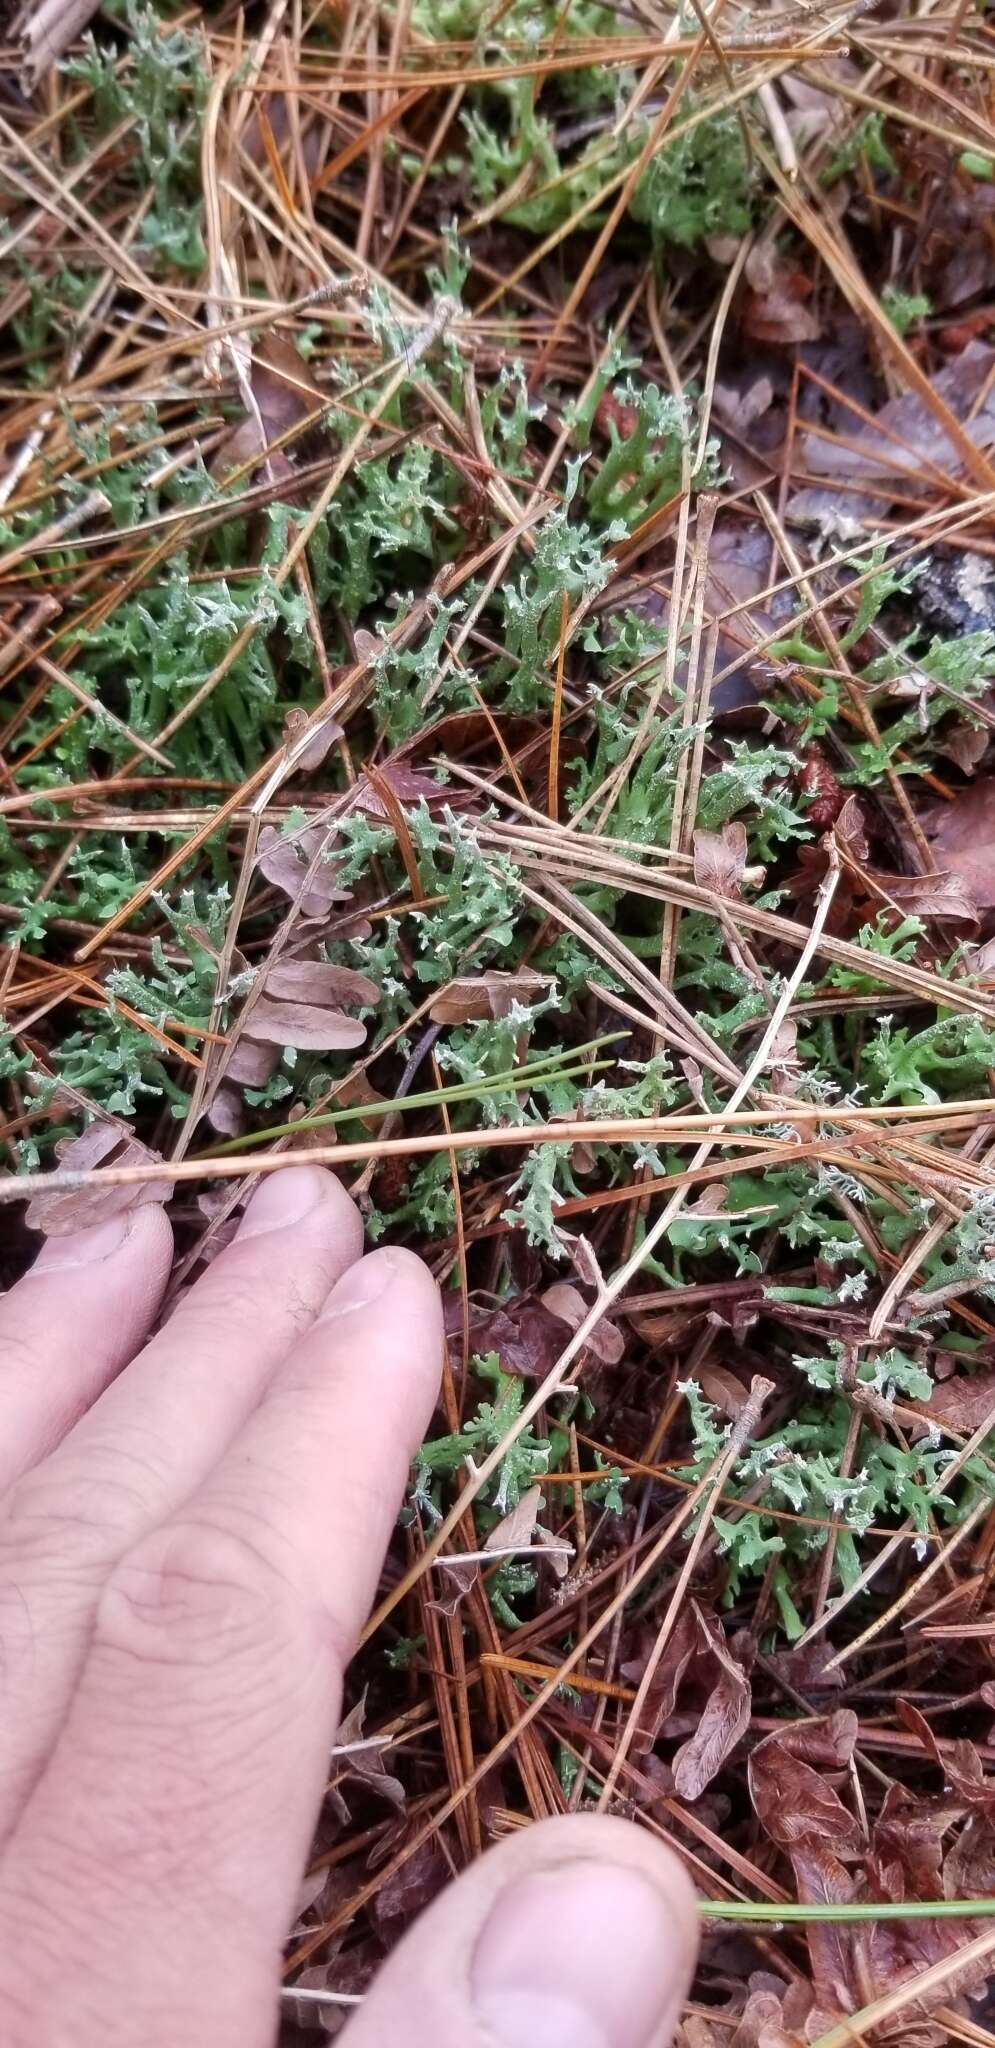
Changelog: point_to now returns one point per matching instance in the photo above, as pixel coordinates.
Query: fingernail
(360, 1286)
(85, 1247)
(283, 1198)
(584, 1956)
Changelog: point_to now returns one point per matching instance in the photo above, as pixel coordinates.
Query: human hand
(188, 1550)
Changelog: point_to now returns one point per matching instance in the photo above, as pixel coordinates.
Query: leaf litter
(498, 664)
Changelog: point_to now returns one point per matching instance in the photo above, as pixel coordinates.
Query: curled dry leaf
(720, 862)
(965, 744)
(849, 833)
(775, 309)
(568, 1305)
(526, 1337)
(699, 1656)
(301, 865)
(357, 1761)
(817, 782)
(408, 1890)
(797, 1802)
(301, 1000)
(473, 997)
(521, 1529)
(454, 1578)
(284, 396)
(725, 1716)
(321, 741)
(101, 1144)
(943, 895)
(584, 1259)
(958, 1762)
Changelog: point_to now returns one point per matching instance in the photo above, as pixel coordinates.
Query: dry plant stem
(952, 1117)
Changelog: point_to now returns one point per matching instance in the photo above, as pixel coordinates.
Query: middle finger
(148, 1443)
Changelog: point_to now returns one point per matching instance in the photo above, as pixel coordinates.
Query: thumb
(576, 1933)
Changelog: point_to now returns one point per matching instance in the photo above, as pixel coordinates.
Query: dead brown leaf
(473, 997)
(725, 1716)
(102, 1144)
(962, 836)
(521, 1529)
(284, 395)
(964, 1403)
(907, 438)
(357, 1761)
(775, 309)
(567, 1304)
(698, 1661)
(287, 860)
(527, 1338)
(795, 1801)
(720, 862)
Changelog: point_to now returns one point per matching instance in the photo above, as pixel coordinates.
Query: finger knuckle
(198, 1592)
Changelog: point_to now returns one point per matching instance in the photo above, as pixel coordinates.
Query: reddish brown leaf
(795, 1802)
(661, 1698)
(528, 1340)
(283, 386)
(965, 744)
(817, 782)
(410, 786)
(305, 1026)
(850, 832)
(251, 1064)
(775, 310)
(944, 895)
(722, 1388)
(610, 412)
(408, 1891)
(285, 860)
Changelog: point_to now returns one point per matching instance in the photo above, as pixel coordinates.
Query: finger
(69, 1326)
(149, 1443)
(577, 1933)
(183, 1789)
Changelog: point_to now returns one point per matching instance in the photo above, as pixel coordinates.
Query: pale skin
(192, 1527)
